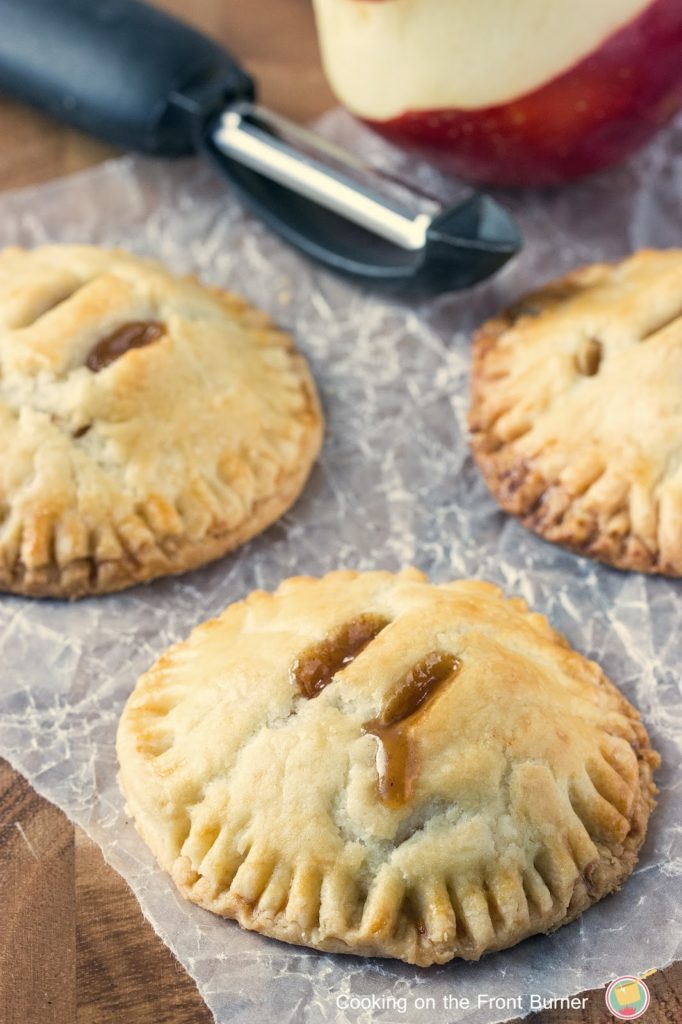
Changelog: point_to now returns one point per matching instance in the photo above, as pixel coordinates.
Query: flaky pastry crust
(123, 465)
(576, 411)
(372, 814)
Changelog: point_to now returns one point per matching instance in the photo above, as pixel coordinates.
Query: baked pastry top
(148, 424)
(367, 763)
(576, 411)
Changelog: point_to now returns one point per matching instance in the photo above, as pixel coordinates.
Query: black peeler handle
(117, 69)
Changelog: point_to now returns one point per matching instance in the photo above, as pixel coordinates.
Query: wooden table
(74, 947)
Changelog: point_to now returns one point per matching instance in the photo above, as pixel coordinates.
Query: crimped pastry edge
(189, 555)
(88, 577)
(612, 875)
(591, 885)
(519, 487)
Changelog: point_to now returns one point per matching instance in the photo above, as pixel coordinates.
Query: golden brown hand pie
(148, 424)
(367, 763)
(576, 411)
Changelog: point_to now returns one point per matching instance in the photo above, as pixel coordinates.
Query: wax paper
(395, 485)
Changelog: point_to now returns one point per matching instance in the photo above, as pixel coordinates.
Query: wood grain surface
(74, 946)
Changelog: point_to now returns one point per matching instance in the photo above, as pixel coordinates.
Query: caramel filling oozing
(394, 728)
(136, 334)
(318, 664)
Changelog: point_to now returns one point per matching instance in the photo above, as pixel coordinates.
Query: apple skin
(594, 115)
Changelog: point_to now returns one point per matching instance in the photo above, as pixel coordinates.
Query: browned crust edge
(187, 556)
(520, 488)
(88, 578)
(616, 862)
(602, 878)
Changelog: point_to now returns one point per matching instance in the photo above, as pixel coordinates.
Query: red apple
(527, 93)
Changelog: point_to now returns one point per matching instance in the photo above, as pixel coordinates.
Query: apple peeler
(138, 78)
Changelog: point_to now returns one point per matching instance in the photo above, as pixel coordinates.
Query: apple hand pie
(371, 764)
(576, 411)
(148, 424)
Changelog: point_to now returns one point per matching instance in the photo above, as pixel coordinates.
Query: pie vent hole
(316, 666)
(81, 431)
(588, 357)
(135, 334)
(398, 764)
(662, 325)
(41, 309)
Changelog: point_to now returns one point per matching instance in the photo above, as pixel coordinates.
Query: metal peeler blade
(351, 216)
(135, 76)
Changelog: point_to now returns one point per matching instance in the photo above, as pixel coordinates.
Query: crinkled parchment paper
(395, 485)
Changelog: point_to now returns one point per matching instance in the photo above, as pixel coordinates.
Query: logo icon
(627, 998)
